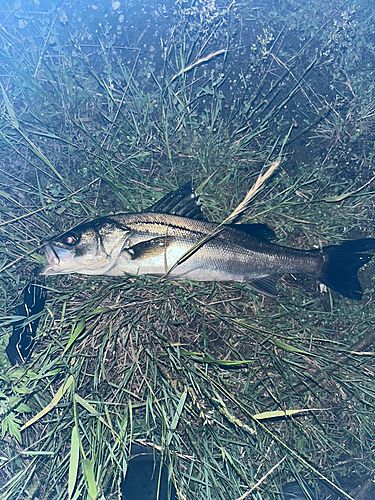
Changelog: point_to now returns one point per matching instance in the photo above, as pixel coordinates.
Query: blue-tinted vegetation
(105, 107)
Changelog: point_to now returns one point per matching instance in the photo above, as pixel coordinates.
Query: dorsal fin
(260, 231)
(184, 202)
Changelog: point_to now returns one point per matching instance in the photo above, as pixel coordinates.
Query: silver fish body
(156, 244)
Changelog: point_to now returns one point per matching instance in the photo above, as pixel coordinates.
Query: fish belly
(209, 263)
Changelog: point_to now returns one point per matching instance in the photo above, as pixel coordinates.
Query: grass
(101, 118)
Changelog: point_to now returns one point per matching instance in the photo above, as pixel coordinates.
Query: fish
(155, 242)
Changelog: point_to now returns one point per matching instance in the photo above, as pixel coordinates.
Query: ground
(106, 107)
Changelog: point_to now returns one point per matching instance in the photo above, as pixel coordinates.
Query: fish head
(89, 248)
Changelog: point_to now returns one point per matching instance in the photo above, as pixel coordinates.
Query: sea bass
(155, 242)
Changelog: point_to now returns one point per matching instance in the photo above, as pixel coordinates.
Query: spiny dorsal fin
(260, 231)
(266, 285)
(184, 202)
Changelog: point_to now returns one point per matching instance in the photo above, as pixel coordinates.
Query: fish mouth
(55, 257)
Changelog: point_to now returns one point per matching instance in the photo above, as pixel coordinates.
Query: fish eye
(69, 239)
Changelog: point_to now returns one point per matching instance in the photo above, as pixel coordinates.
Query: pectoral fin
(147, 249)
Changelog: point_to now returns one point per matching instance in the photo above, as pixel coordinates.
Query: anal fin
(265, 285)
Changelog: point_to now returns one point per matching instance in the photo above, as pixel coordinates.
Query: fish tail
(341, 264)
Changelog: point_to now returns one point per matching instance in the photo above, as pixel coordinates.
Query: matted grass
(102, 114)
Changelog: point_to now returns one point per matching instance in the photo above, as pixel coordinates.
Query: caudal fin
(341, 264)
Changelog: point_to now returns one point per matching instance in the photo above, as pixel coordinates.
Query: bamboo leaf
(10, 109)
(85, 404)
(93, 412)
(79, 327)
(282, 413)
(69, 382)
(76, 332)
(289, 348)
(73, 461)
(198, 63)
(88, 472)
(177, 416)
(224, 363)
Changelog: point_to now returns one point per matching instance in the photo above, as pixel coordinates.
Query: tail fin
(341, 264)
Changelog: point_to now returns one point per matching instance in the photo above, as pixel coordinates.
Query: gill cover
(89, 248)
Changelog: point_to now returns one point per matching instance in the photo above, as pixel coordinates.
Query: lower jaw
(49, 270)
